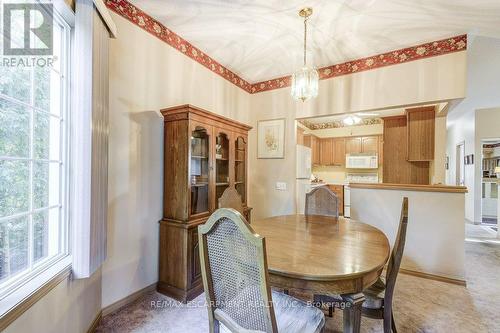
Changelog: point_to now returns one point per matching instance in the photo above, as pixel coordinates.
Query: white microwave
(361, 161)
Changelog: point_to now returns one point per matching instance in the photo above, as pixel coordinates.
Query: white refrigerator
(303, 172)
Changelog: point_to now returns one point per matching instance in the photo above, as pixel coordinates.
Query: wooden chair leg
(330, 311)
(393, 323)
(387, 319)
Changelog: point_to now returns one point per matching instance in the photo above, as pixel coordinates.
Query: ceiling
(262, 39)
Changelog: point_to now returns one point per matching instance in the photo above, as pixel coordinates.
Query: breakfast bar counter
(436, 224)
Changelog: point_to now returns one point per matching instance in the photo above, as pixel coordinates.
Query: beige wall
(483, 88)
(438, 170)
(418, 82)
(423, 81)
(70, 307)
(146, 75)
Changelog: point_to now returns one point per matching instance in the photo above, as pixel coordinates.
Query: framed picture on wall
(271, 138)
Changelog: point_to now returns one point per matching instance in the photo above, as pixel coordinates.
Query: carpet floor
(420, 305)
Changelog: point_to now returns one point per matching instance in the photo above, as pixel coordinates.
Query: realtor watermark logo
(27, 34)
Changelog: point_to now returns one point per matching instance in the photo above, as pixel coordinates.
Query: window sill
(15, 304)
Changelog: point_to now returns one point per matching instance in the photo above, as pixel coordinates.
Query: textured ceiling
(262, 39)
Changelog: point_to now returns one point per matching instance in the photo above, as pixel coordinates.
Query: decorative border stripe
(154, 27)
(146, 22)
(432, 49)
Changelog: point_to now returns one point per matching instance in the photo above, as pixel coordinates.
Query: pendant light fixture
(305, 80)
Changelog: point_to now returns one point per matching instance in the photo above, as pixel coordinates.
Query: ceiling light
(351, 120)
(348, 121)
(305, 80)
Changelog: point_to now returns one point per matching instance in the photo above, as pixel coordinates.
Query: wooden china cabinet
(204, 154)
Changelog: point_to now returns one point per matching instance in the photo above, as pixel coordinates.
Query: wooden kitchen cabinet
(380, 150)
(420, 133)
(326, 151)
(315, 150)
(333, 150)
(339, 192)
(397, 169)
(339, 151)
(312, 142)
(306, 140)
(300, 136)
(353, 145)
(361, 144)
(369, 144)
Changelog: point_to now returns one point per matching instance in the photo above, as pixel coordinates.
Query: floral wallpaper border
(146, 22)
(338, 123)
(432, 49)
(149, 24)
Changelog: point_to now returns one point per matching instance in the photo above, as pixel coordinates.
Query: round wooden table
(324, 256)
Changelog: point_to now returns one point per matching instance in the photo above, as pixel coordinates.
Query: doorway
(489, 182)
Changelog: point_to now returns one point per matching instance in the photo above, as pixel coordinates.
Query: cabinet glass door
(240, 167)
(199, 170)
(221, 164)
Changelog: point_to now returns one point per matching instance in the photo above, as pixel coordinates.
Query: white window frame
(24, 283)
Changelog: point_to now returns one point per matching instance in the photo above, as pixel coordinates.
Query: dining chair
(230, 198)
(236, 282)
(322, 201)
(378, 303)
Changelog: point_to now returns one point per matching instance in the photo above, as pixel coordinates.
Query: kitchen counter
(329, 183)
(411, 187)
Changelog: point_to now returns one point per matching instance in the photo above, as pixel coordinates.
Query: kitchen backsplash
(337, 174)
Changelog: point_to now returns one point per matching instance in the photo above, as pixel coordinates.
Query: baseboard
(433, 277)
(180, 295)
(127, 300)
(95, 323)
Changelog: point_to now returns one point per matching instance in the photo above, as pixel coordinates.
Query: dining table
(324, 255)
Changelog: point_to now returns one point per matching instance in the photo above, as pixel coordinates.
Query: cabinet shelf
(199, 157)
(240, 182)
(221, 184)
(199, 184)
(222, 159)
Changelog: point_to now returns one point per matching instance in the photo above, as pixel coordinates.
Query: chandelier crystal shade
(305, 80)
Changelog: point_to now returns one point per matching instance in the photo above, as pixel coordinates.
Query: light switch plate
(280, 186)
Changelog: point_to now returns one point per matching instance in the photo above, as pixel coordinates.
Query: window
(34, 137)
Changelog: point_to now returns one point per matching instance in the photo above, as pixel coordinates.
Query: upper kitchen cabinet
(339, 151)
(380, 150)
(326, 151)
(312, 141)
(397, 169)
(315, 150)
(306, 140)
(300, 136)
(369, 144)
(361, 144)
(420, 133)
(353, 145)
